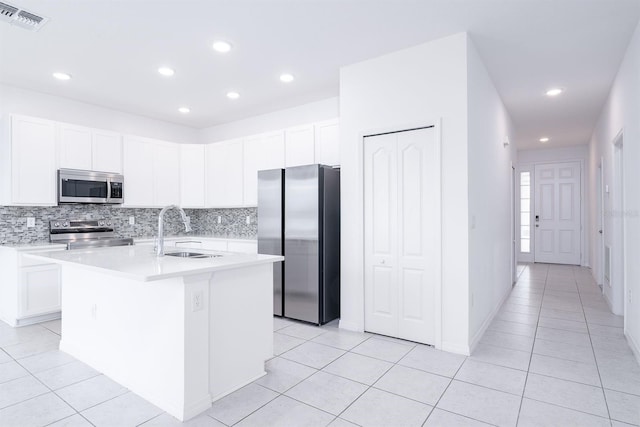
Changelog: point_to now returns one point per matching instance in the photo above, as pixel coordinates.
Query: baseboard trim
(350, 326)
(635, 348)
(455, 348)
(485, 325)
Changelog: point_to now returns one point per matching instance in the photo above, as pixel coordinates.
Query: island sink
(192, 255)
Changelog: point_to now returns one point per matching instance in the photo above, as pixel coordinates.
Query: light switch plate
(31, 222)
(132, 220)
(248, 220)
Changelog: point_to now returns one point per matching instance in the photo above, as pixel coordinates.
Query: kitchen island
(180, 332)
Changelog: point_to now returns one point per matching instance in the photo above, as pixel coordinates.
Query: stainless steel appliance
(81, 234)
(271, 227)
(81, 186)
(308, 204)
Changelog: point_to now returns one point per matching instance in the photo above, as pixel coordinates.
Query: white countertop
(38, 246)
(139, 262)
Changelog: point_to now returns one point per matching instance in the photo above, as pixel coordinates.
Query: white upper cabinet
(33, 161)
(138, 171)
(299, 146)
(260, 152)
(106, 149)
(166, 174)
(224, 184)
(74, 147)
(89, 149)
(192, 175)
(327, 143)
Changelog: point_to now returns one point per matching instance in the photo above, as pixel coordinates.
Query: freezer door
(271, 226)
(302, 230)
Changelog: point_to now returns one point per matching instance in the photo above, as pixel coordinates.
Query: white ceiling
(114, 47)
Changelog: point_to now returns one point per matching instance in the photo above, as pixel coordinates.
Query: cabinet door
(138, 171)
(192, 175)
(106, 151)
(260, 152)
(166, 174)
(40, 290)
(328, 143)
(224, 174)
(33, 159)
(74, 147)
(299, 146)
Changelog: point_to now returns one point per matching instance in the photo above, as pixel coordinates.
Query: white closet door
(558, 217)
(402, 226)
(381, 235)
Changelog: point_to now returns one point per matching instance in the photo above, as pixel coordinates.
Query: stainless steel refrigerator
(310, 239)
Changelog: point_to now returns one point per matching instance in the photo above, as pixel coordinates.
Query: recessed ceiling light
(184, 110)
(233, 95)
(62, 76)
(555, 91)
(543, 140)
(286, 78)
(166, 71)
(221, 46)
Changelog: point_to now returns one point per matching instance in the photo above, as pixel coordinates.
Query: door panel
(558, 221)
(401, 233)
(302, 231)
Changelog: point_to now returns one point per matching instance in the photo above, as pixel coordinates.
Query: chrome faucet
(160, 240)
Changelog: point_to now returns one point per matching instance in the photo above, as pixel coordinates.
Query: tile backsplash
(233, 222)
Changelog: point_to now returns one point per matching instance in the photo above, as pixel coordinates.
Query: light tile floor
(554, 356)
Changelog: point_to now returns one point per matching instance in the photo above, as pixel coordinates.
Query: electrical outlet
(197, 300)
(132, 220)
(629, 296)
(219, 219)
(94, 311)
(31, 222)
(248, 220)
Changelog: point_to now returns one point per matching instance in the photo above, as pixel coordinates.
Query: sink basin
(192, 255)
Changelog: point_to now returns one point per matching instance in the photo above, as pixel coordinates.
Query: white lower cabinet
(29, 290)
(40, 290)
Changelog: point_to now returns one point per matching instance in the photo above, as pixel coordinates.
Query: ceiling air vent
(21, 18)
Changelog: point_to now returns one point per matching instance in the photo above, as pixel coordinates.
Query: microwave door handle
(108, 190)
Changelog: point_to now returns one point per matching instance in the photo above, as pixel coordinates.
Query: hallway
(554, 356)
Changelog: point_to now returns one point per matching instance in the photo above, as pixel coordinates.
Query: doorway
(402, 233)
(558, 213)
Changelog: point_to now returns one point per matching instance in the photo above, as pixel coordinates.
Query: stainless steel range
(78, 234)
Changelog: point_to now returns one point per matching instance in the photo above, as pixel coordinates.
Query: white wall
(307, 113)
(621, 112)
(15, 100)
(526, 162)
(490, 198)
(414, 86)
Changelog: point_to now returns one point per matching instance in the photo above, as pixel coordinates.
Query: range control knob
(57, 224)
(100, 223)
(109, 223)
(66, 224)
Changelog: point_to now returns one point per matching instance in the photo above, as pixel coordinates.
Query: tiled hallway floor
(554, 356)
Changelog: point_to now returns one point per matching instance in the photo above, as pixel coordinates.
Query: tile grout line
(526, 379)
(604, 395)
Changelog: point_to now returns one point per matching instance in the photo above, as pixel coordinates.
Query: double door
(402, 229)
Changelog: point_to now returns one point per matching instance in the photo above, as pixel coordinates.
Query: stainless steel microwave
(80, 186)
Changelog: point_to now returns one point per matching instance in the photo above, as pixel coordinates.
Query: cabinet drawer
(26, 261)
(39, 290)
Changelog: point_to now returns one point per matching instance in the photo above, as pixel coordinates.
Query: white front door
(558, 213)
(402, 225)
